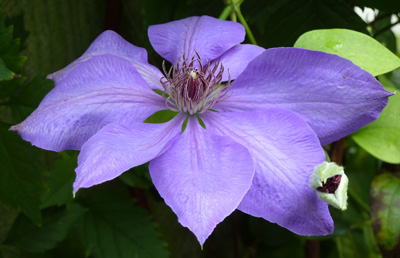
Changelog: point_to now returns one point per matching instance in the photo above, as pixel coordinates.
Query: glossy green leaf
(56, 224)
(115, 227)
(59, 182)
(20, 174)
(385, 210)
(161, 116)
(382, 137)
(360, 48)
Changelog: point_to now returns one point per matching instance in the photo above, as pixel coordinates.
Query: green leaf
(360, 168)
(9, 48)
(184, 124)
(7, 217)
(381, 32)
(201, 122)
(358, 243)
(161, 116)
(17, 21)
(20, 174)
(8, 87)
(137, 177)
(56, 224)
(361, 49)
(382, 137)
(115, 227)
(5, 73)
(59, 182)
(54, 39)
(10, 61)
(385, 210)
(161, 93)
(27, 99)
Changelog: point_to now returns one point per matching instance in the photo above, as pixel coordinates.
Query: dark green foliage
(115, 227)
(58, 183)
(137, 177)
(20, 177)
(385, 210)
(56, 224)
(279, 23)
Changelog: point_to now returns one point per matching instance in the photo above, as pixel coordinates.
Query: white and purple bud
(192, 88)
(330, 184)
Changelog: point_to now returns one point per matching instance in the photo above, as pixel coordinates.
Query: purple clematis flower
(257, 152)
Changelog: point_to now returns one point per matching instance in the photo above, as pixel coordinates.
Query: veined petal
(209, 36)
(116, 148)
(332, 94)
(202, 177)
(102, 90)
(110, 43)
(237, 58)
(285, 150)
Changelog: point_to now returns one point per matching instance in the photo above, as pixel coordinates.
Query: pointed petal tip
(201, 235)
(13, 128)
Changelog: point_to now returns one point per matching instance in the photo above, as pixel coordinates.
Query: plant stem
(226, 12)
(233, 9)
(386, 28)
(246, 26)
(337, 154)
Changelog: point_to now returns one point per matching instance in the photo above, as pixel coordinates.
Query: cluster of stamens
(192, 88)
(331, 184)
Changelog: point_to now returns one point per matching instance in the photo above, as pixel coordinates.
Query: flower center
(331, 184)
(192, 88)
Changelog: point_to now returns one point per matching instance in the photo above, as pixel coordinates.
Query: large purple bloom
(258, 150)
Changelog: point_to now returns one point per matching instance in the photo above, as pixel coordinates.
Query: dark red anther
(331, 184)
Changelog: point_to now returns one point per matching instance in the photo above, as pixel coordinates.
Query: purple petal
(237, 58)
(102, 90)
(116, 148)
(203, 178)
(332, 94)
(110, 43)
(210, 37)
(285, 150)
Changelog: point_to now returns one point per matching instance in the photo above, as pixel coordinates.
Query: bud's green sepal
(330, 184)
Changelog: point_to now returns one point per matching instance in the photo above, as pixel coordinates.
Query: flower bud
(330, 184)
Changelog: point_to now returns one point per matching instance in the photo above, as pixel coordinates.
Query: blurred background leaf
(385, 210)
(56, 223)
(114, 227)
(279, 23)
(21, 174)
